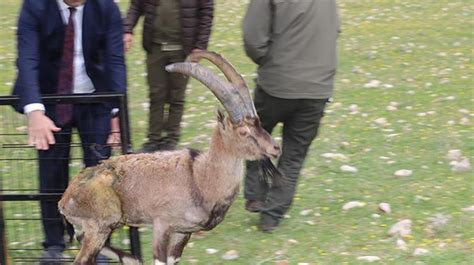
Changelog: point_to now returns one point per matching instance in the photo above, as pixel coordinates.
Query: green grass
(421, 52)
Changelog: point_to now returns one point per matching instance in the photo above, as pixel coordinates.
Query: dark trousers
(93, 124)
(301, 119)
(165, 88)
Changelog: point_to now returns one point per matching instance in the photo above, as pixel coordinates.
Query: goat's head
(242, 126)
(249, 140)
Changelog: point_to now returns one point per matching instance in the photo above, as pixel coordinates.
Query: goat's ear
(221, 118)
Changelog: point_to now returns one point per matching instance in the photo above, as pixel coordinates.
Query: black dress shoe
(254, 206)
(268, 224)
(268, 228)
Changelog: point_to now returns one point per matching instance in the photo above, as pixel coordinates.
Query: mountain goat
(177, 192)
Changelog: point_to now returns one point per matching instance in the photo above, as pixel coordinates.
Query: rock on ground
(385, 207)
(420, 252)
(231, 255)
(352, 204)
(368, 258)
(402, 228)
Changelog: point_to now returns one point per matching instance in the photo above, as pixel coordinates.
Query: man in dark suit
(64, 47)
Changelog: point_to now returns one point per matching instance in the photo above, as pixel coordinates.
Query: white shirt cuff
(115, 112)
(33, 107)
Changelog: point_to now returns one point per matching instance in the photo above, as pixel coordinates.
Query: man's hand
(114, 136)
(40, 130)
(127, 41)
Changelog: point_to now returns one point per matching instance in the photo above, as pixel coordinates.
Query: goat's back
(146, 185)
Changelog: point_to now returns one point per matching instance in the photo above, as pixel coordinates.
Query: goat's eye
(243, 133)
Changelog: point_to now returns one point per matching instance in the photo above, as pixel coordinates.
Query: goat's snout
(274, 151)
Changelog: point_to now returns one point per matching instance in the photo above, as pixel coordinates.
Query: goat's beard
(269, 173)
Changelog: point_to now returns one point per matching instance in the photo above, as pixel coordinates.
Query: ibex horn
(231, 74)
(223, 90)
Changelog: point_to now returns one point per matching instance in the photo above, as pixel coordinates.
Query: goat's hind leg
(92, 242)
(161, 239)
(176, 246)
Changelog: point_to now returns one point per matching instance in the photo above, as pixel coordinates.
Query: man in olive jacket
(172, 29)
(294, 45)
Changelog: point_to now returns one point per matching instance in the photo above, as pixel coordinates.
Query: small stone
(309, 222)
(347, 168)
(345, 144)
(454, 154)
(461, 166)
(335, 156)
(305, 212)
(385, 207)
(381, 121)
(401, 244)
(211, 251)
(293, 241)
(280, 252)
(372, 84)
(375, 216)
(438, 221)
(353, 204)
(420, 252)
(145, 105)
(231, 255)
(468, 209)
(464, 121)
(419, 198)
(282, 262)
(354, 108)
(402, 228)
(392, 108)
(368, 258)
(403, 173)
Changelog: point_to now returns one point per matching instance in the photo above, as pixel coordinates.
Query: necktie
(66, 71)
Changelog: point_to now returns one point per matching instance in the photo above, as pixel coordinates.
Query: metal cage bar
(121, 99)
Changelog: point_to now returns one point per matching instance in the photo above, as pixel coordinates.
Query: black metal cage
(20, 220)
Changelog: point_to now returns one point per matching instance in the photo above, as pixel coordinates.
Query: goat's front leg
(176, 246)
(161, 237)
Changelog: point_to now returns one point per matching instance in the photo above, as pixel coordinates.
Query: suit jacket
(41, 34)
